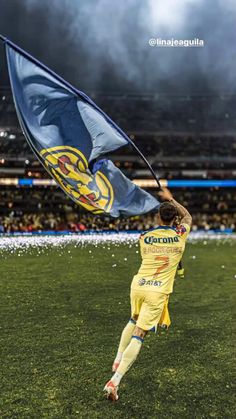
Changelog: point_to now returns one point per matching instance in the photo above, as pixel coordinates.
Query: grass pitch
(62, 311)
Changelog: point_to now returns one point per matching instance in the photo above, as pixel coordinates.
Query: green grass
(62, 312)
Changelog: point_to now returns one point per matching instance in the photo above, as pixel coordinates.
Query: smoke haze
(103, 45)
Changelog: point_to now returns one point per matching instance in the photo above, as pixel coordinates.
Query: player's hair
(167, 212)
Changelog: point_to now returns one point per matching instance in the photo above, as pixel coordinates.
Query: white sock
(116, 378)
(118, 357)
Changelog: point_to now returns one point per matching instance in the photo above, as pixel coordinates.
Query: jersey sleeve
(183, 231)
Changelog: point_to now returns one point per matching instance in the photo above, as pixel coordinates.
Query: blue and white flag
(68, 132)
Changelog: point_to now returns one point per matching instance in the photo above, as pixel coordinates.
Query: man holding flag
(69, 134)
(161, 249)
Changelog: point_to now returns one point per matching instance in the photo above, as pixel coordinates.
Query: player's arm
(185, 217)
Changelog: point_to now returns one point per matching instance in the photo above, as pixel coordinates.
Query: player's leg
(129, 356)
(124, 341)
(148, 319)
(136, 302)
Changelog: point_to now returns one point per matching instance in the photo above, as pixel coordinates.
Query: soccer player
(161, 250)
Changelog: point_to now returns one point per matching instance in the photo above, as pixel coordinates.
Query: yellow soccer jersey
(161, 250)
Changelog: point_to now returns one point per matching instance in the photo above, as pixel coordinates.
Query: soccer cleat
(111, 391)
(115, 366)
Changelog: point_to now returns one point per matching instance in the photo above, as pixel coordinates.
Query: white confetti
(21, 244)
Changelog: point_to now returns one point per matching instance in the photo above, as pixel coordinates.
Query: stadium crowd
(75, 222)
(13, 144)
(47, 198)
(47, 208)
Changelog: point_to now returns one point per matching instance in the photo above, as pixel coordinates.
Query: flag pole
(84, 96)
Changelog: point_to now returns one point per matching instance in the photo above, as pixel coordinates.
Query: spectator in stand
(83, 222)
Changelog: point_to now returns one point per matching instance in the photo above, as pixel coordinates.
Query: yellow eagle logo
(69, 167)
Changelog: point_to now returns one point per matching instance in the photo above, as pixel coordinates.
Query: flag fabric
(69, 134)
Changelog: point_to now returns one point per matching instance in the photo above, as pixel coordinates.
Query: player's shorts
(149, 307)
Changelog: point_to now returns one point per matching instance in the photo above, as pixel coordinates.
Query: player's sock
(180, 272)
(129, 356)
(125, 340)
(180, 269)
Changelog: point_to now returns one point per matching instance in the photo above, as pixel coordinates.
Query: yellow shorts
(150, 307)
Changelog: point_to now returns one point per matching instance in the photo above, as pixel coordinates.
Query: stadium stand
(183, 137)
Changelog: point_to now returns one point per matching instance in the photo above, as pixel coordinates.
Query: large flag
(69, 133)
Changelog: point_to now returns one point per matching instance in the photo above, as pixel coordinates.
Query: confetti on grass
(20, 244)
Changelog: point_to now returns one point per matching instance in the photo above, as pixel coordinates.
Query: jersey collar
(162, 227)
